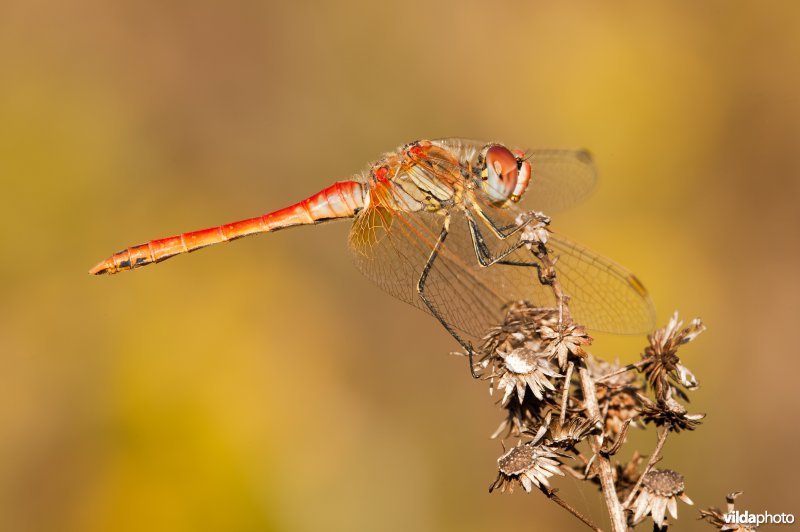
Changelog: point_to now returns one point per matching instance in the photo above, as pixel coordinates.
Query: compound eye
(500, 173)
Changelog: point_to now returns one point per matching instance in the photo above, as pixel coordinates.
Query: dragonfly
(437, 224)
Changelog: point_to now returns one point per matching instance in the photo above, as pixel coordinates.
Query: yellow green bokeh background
(265, 385)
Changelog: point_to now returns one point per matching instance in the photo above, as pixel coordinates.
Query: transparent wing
(604, 295)
(559, 179)
(392, 248)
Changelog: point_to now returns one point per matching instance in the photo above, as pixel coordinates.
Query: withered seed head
(529, 465)
(519, 327)
(572, 432)
(536, 232)
(517, 460)
(660, 490)
(616, 395)
(664, 482)
(660, 362)
(566, 341)
(669, 413)
(525, 354)
(524, 417)
(522, 369)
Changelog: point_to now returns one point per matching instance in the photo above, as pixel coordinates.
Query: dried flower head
(660, 362)
(519, 327)
(524, 417)
(564, 341)
(670, 413)
(622, 406)
(660, 490)
(591, 400)
(536, 231)
(521, 369)
(716, 518)
(573, 431)
(528, 464)
(617, 394)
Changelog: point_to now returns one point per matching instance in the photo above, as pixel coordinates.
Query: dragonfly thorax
(415, 184)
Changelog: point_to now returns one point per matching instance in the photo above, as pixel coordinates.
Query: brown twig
(574, 474)
(629, 367)
(551, 494)
(620, 440)
(565, 393)
(655, 457)
(615, 511)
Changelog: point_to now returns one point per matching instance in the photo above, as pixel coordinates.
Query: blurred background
(266, 385)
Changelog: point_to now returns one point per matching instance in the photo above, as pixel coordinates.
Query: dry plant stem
(574, 474)
(551, 494)
(582, 458)
(618, 522)
(655, 457)
(620, 439)
(565, 393)
(629, 367)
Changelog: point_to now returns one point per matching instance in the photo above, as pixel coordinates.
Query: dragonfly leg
(433, 310)
(485, 258)
(482, 250)
(502, 232)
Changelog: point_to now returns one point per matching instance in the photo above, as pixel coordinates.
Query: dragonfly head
(504, 174)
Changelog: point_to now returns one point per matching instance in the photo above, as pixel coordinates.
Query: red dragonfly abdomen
(341, 200)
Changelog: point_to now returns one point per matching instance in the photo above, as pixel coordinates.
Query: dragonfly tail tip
(100, 268)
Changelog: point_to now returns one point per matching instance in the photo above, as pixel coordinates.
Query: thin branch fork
(551, 494)
(654, 458)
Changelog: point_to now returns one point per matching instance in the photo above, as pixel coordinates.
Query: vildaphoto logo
(764, 518)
